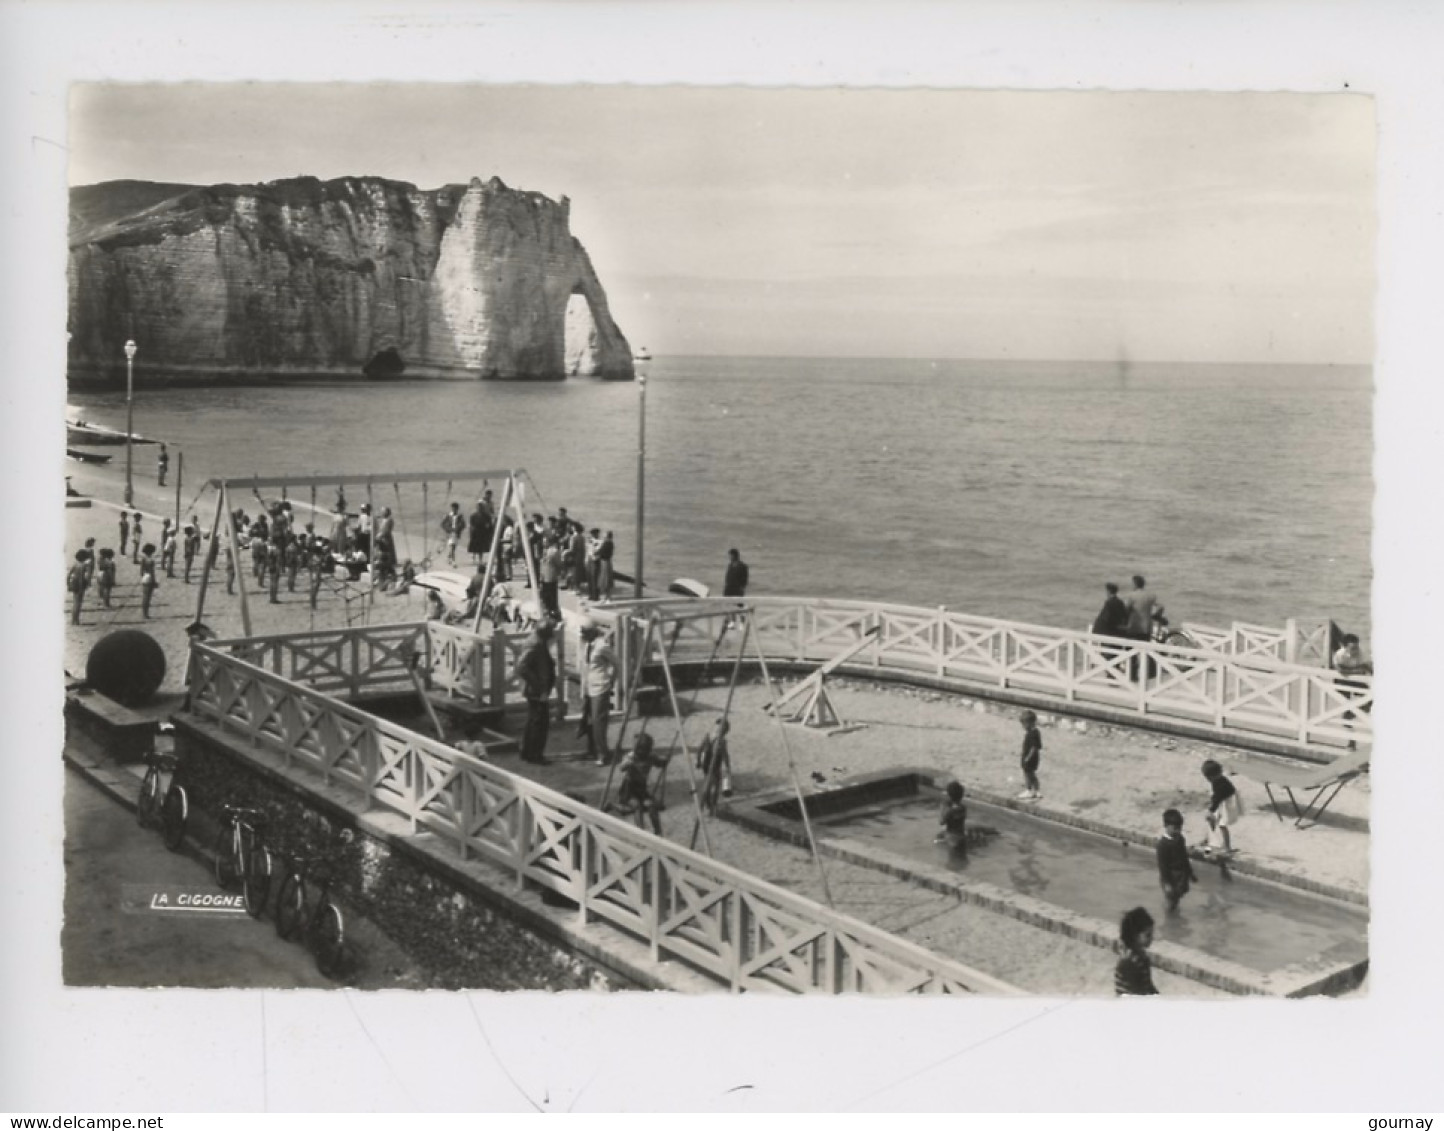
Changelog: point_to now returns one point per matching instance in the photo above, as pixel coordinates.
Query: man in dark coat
(538, 674)
(734, 584)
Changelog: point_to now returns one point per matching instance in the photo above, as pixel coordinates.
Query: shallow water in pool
(1255, 924)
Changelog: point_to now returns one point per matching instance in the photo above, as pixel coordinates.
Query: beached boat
(82, 432)
(642, 355)
(87, 457)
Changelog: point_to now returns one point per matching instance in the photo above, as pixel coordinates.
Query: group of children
(1133, 974)
(98, 567)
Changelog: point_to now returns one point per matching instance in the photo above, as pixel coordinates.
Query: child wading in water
(1133, 976)
(1032, 755)
(1175, 870)
(954, 818)
(1224, 808)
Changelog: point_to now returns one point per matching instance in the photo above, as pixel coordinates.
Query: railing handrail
(773, 600)
(927, 963)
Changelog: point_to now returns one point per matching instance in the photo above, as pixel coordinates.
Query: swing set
(513, 497)
(664, 621)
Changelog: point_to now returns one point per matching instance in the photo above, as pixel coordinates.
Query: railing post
(941, 643)
(523, 838)
(654, 931)
(585, 879)
(737, 925)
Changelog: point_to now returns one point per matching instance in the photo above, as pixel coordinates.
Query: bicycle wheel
(174, 812)
(149, 803)
(257, 883)
(290, 906)
(228, 866)
(328, 942)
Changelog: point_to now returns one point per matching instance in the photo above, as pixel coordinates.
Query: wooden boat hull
(93, 435)
(87, 457)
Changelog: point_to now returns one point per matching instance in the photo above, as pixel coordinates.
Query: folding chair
(1323, 782)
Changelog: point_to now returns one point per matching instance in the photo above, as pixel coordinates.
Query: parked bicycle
(242, 855)
(304, 909)
(169, 812)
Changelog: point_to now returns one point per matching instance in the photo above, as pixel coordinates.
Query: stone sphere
(128, 666)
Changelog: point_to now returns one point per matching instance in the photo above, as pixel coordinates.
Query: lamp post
(641, 479)
(129, 386)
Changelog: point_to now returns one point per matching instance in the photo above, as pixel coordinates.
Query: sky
(853, 221)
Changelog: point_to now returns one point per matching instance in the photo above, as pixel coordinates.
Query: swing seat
(1323, 782)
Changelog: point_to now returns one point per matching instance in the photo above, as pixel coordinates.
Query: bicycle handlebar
(241, 813)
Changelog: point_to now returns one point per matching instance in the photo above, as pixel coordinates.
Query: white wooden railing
(1249, 694)
(740, 930)
(373, 658)
(1237, 689)
(1307, 645)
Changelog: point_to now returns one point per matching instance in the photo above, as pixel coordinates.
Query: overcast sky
(854, 222)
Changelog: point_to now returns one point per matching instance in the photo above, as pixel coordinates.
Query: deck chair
(1323, 782)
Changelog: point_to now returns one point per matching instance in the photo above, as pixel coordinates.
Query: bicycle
(303, 908)
(240, 854)
(169, 813)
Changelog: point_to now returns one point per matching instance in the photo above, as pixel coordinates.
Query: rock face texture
(358, 277)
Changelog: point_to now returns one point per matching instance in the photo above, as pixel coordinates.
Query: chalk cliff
(356, 277)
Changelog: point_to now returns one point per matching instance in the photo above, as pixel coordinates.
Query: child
(1032, 755)
(1175, 870)
(106, 575)
(124, 533)
(1133, 976)
(135, 537)
(634, 794)
(1224, 808)
(190, 546)
(953, 818)
(76, 581)
(167, 548)
(148, 580)
(715, 762)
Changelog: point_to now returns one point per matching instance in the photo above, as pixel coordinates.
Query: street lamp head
(129, 350)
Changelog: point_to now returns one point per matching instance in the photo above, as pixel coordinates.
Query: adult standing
(453, 524)
(1112, 618)
(549, 573)
(599, 677)
(1352, 665)
(734, 582)
(538, 674)
(479, 528)
(1141, 603)
(162, 465)
(605, 576)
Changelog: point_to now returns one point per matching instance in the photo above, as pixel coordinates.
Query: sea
(1005, 489)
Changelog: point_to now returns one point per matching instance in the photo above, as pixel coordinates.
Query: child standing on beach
(76, 582)
(1175, 870)
(124, 533)
(953, 818)
(105, 573)
(1133, 976)
(167, 548)
(1224, 808)
(1032, 755)
(135, 536)
(149, 583)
